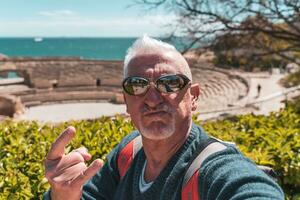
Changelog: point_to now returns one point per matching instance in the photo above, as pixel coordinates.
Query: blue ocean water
(9, 75)
(85, 48)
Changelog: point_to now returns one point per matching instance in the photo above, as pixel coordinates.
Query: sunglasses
(136, 85)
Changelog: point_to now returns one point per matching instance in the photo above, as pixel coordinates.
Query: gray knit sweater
(224, 175)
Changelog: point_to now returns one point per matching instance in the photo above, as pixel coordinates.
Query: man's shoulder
(128, 138)
(122, 144)
(199, 132)
(229, 154)
(230, 171)
(230, 164)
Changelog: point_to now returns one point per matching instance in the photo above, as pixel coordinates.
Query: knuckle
(83, 174)
(77, 157)
(52, 146)
(56, 184)
(48, 175)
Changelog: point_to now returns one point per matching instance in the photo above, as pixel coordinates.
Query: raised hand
(67, 173)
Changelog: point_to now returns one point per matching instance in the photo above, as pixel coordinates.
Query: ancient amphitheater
(61, 80)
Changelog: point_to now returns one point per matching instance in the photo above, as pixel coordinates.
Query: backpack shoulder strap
(189, 190)
(127, 154)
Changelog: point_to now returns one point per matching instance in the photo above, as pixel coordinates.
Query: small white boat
(38, 39)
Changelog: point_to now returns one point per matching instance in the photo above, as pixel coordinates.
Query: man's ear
(195, 92)
(124, 97)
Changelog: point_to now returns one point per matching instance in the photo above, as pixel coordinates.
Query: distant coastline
(89, 48)
(84, 48)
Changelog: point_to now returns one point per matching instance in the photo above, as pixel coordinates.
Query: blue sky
(79, 18)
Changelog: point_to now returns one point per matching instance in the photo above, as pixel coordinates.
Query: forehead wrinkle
(167, 61)
(143, 60)
(155, 71)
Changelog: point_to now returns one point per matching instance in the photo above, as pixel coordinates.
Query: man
(160, 97)
(258, 90)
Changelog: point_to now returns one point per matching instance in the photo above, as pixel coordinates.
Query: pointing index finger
(57, 149)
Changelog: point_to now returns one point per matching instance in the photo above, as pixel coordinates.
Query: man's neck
(159, 152)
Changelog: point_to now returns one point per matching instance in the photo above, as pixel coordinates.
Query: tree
(204, 21)
(248, 50)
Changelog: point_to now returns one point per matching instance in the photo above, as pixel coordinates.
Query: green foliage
(249, 50)
(25, 144)
(291, 80)
(273, 140)
(247, 58)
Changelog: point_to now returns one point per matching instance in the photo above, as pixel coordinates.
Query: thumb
(88, 173)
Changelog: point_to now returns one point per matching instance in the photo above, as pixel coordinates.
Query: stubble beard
(158, 133)
(158, 128)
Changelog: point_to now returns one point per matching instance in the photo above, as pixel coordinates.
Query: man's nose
(153, 97)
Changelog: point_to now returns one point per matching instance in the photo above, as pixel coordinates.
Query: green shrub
(273, 140)
(291, 80)
(25, 144)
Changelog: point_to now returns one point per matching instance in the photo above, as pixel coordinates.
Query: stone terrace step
(68, 96)
(218, 90)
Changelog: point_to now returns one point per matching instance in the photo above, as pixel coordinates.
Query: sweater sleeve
(104, 183)
(230, 175)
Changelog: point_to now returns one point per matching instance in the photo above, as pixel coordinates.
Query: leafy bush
(25, 144)
(291, 80)
(272, 141)
(244, 50)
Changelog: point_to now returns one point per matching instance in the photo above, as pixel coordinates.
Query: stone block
(111, 82)
(76, 81)
(11, 106)
(41, 83)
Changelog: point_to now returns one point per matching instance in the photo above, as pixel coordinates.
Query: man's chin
(157, 131)
(155, 124)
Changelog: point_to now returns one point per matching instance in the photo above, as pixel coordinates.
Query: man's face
(159, 115)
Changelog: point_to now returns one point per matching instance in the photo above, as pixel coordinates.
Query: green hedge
(25, 144)
(272, 141)
(291, 79)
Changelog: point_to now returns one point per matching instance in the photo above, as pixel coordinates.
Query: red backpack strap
(127, 154)
(190, 189)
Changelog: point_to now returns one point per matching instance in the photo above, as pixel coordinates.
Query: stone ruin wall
(68, 73)
(10, 106)
(64, 80)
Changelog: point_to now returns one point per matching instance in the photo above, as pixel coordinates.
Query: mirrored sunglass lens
(135, 85)
(169, 84)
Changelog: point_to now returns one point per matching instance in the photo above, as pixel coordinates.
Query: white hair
(146, 44)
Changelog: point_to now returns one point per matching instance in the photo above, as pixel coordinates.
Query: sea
(84, 48)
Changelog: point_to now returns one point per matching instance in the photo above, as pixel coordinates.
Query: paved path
(269, 87)
(72, 111)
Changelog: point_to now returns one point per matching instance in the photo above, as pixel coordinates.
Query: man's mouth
(155, 113)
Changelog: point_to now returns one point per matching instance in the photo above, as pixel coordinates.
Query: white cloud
(58, 13)
(75, 25)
